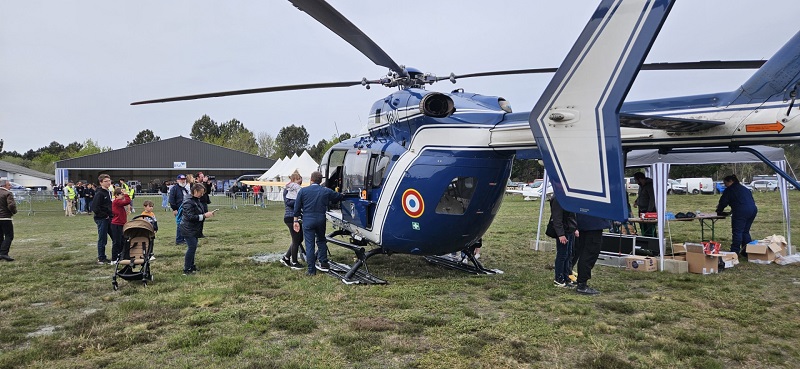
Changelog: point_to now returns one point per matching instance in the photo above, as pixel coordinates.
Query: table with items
(707, 221)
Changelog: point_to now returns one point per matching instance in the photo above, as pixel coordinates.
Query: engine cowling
(437, 105)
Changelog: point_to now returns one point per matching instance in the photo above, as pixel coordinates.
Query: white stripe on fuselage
(448, 136)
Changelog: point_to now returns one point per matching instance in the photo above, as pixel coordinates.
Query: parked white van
(698, 185)
(631, 186)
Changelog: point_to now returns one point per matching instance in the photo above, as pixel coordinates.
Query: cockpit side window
(380, 170)
(331, 168)
(457, 196)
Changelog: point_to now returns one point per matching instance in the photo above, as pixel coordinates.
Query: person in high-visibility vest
(130, 191)
(70, 194)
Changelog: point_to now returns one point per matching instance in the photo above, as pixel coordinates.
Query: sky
(69, 69)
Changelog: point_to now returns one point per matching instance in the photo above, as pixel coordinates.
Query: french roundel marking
(412, 203)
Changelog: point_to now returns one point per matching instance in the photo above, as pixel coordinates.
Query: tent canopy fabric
(278, 175)
(659, 170)
(644, 158)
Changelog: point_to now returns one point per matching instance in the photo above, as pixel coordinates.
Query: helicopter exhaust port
(437, 105)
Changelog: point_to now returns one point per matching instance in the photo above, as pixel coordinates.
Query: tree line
(231, 134)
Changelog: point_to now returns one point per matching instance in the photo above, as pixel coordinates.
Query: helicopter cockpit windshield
(355, 172)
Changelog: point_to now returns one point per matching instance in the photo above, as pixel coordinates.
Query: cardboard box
(640, 263)
(676, 266)
(678, 248)
(766, 250)
(729, 259)
(699, 262)
(676, 257)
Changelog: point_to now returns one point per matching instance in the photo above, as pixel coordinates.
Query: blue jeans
(314, 234)
(82, 205)
(164, 201)
(191, 248)
(178, 236)
(563, 264)
(103, 231)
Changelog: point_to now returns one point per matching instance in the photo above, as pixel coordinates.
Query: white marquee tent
(278, 174)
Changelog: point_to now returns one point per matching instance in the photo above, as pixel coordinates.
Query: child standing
(150, 217)
(120, 217)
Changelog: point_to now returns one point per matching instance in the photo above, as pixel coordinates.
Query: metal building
(25, 176)
(155, 162)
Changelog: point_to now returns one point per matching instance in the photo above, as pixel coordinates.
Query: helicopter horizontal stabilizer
(668, 124)
(576, 120)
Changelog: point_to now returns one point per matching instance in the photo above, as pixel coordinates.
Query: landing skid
(353, 274)
(473, 266)
(340, 271)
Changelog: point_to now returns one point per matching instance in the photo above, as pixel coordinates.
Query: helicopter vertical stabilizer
(576, 120)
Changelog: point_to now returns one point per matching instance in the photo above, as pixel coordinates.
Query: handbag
(550, 231)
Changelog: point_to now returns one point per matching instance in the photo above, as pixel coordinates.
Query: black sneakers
(583, 289)
(6, 258)
(103, 261)
(323, 267)
(296, 266)
(285, 261)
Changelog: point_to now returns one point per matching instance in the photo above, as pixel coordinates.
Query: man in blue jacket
(312, 204)
(587, 249)
(743, 212)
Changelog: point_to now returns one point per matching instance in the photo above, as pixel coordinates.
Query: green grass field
(58, 310)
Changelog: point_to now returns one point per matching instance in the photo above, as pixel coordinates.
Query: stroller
(134, 261)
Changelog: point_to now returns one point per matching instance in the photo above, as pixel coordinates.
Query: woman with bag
(565, 227)
(192, 215)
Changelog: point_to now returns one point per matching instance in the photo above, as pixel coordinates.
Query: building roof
(13, 168)
(167, 154)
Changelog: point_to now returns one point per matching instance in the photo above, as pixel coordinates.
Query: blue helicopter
(428, 175)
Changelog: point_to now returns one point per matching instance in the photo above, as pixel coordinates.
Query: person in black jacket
(101, 207)
(566, 226)
(645, 202)
(191, 226)
(587, 249)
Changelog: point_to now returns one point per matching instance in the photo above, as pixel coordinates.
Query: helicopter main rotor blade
(257, 91)
(709, 64)
(336, 22)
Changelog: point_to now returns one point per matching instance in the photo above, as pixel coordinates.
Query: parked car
(763, 185)
(673, 186)
(698, 185)
(20, 192)
(631, 186)
(719, 186)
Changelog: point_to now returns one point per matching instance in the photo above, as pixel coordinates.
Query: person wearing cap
(176, 196)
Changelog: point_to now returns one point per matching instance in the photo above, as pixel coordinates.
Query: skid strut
(354, 274)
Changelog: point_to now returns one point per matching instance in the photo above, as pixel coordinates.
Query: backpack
(179, 215)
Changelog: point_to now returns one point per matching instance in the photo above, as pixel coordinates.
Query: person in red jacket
(121, 200)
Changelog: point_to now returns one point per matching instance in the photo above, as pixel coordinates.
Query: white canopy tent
(659, 164)
(278, 175)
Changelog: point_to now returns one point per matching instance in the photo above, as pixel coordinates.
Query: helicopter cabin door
(357, 208)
